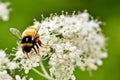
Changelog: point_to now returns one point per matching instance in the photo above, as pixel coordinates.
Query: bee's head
(26, 39)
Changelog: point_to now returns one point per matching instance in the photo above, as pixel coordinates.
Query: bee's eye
(27, 39)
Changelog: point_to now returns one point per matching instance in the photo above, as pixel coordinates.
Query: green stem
(43, 69)
(41, 74)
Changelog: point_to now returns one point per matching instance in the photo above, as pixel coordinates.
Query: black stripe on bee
(26, 39)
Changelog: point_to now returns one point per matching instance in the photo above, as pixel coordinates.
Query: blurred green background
(24, 11)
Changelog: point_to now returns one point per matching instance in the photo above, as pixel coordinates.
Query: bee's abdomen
(27, 49)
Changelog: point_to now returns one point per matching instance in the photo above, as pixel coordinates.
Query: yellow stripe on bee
(29, 31)
(26, 44)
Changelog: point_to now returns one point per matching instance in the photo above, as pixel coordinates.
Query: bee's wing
(15, 32)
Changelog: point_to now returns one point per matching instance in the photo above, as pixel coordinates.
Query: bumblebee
(30, 39)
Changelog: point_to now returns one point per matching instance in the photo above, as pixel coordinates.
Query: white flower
(13, 65)
(4, 61)
(7, 67)
(4, 11)
(27, 63)
(61, 64)
(5, 76)
(17, 77)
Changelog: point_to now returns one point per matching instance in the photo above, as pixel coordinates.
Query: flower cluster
(5, 76)
(7, 67)
(70, 41)
(4, 11)
(75, 41)
(5, 63)
(27, 63)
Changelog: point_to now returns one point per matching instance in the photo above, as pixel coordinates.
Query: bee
(29, 39)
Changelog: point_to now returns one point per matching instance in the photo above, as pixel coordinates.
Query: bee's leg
(40, 43)
(26, 54)
(35, 49)
(37, 46)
